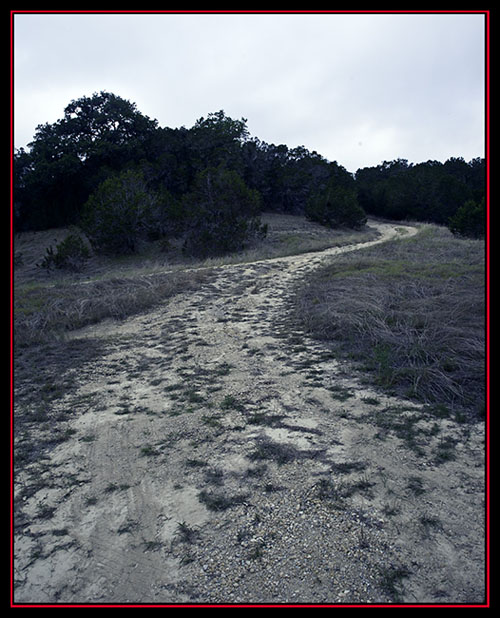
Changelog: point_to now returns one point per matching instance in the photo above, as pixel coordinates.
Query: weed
(348, 466)
(445, 450)
(415, 485)
(112, 487)
(256, 471)
(195, 463)
(332, 492)
(45, 512)
(402, 422)
(194, 397)
(341, 393)
(373, 401)
(429, 522)
(391, 581)
(214, 476)
(186, 533)
(211, 421)
(230, 402)
(279, 452)
(391, 508)
(257, 551)
(173, 387)
(265, 420)
(152, 545)
(215, 501)
(223, 369)
(127, 527)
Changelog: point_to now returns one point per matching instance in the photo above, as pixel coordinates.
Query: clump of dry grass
(410, 311)
(45, 310)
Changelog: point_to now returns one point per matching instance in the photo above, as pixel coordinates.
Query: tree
(469, 220)
(336, 206)
(98, 136)
(221, 213)
(430, 191)
(217, 140)
(123, 211)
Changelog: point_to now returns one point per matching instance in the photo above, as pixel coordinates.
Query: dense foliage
(75, 170)
(221, 213)
(336, 206)
(431, 191)
(121, 212)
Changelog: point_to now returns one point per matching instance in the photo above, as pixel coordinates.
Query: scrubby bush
(221, 214)
(123, 211)
(70, 254)
(336, 206)
(469, 220)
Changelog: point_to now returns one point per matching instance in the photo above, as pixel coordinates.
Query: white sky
(357, 88)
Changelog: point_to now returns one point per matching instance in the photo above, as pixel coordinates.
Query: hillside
(181, 438)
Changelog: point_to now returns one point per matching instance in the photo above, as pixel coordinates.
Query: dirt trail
(212, 456)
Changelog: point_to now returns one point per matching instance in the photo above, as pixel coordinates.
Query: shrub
(469, 220)
(70, 254)
(221, 214)
(123, 211)
(336, 206)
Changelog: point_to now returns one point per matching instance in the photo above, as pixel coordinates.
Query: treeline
(105, 160)
(450, 193)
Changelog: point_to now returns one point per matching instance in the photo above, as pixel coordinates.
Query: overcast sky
(357, 88)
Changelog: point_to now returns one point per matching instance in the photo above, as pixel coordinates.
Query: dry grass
(43, 311)
(411, 312)
(47, 304)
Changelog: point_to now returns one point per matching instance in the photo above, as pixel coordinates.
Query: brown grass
(42, 311)
(50, 303)
(411, 312)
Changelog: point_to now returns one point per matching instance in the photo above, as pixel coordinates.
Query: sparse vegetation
(44, 310)
(115, 287)
(70, 254)
(229, 437)
(391, 581)
(218, 501)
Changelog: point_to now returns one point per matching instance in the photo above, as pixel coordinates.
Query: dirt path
(212, 456)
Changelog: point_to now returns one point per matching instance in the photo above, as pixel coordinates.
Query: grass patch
(391, 581)
(216, 501)
(230, 402)
(411, 312)
(281, 453)
(47, 309)
(117, 287)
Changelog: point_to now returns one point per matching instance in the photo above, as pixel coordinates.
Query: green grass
(410, 312)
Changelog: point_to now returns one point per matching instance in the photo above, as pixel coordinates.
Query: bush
(221, 214)
(469, 220)
(122, 211)
(70, 254)
(336, 206)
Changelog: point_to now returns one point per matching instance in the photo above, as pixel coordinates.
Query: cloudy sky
(357, 88)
